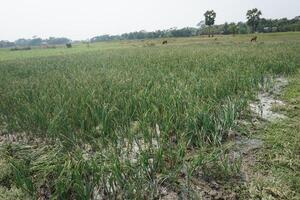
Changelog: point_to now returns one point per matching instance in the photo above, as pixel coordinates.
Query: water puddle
(267, 100)
(245, 147)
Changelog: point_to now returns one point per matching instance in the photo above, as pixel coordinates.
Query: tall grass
(93, 108)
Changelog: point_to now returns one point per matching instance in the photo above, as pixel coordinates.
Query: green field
(125, 119)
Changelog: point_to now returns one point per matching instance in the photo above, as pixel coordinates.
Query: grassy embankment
(277, 173)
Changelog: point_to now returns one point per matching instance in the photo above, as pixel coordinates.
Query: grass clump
(13, 193)
(5, 173)
(8, 189)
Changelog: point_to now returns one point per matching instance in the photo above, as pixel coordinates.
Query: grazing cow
(69, 45)
(254, 39)
(165, 42)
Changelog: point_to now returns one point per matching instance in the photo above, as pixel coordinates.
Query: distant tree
(35, 41)
(5, 44)
(253, 17)
(201, 23)
(184, 32)
(22, 42)
(233, 28)
(201, 26)
(226, 28)
(69, 45)
(210, 17)
(242, 28)
(57, 41)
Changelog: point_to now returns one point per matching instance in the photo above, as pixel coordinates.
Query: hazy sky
(82, 19)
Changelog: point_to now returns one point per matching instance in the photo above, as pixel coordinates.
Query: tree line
(263, 26)
(35, 41)
(253, 24)
(207, 27)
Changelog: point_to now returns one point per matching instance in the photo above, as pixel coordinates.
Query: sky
(83, 19)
